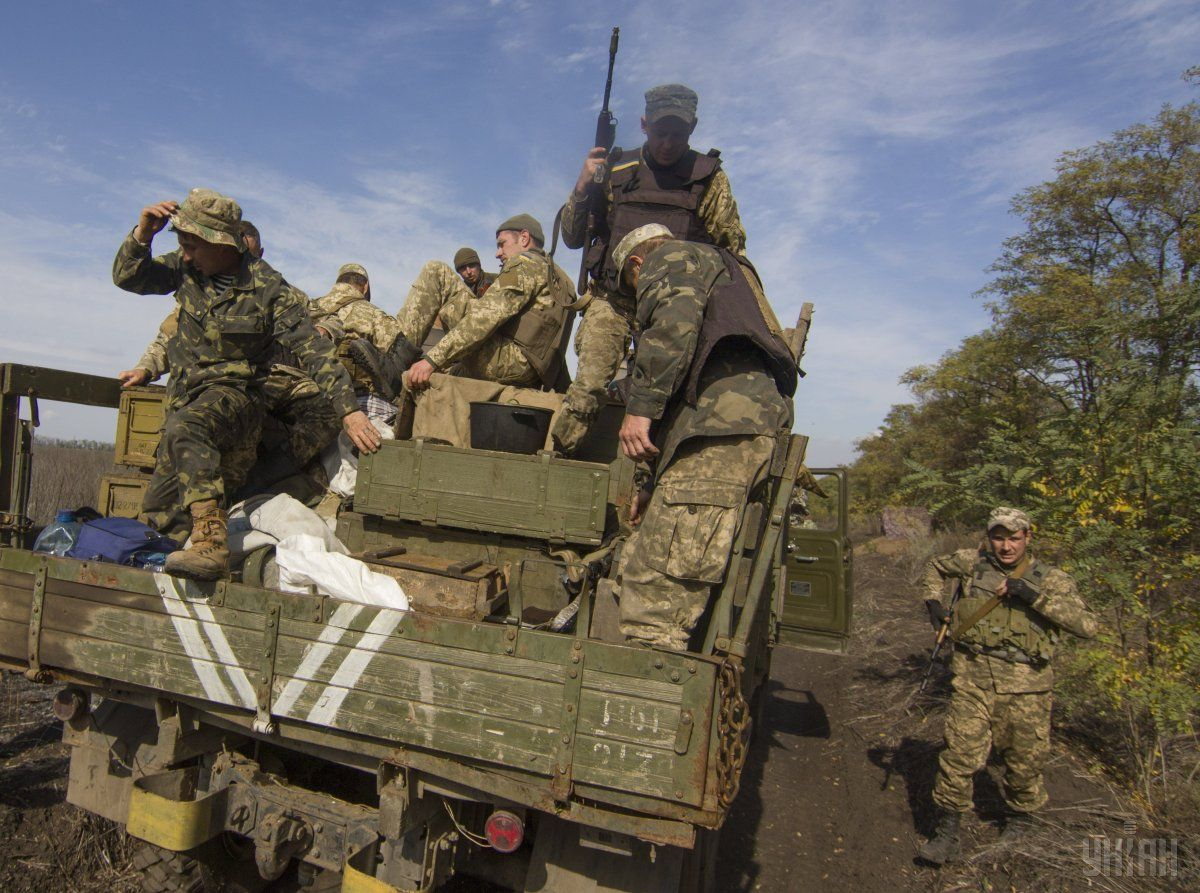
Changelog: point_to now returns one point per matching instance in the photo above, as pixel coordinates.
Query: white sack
(265, 520)
(303, 562)
(340, 463)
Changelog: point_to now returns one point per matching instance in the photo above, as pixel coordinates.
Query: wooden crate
(468, 589)
(538, 496)
(139, 421)
(121, 495)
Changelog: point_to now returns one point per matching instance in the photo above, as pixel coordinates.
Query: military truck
(259, 739)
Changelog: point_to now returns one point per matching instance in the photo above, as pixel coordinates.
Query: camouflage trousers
(438, 291)
(300, 422)
(980, 718)
(601, 342)
(682, 546)
(208, 445)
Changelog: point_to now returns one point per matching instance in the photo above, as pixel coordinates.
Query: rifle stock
(942, 635)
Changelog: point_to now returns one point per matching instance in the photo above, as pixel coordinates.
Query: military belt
(1012, 655)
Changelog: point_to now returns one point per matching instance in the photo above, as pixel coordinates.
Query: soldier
(252, 239)
(664, 182)
(470, 268)
(1012, 612)
(232, 310)
(711, 391)
(512, 335)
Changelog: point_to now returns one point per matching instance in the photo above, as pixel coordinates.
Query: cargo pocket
(696, 530)
(238, 337)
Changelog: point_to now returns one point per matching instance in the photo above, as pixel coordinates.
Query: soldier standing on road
(1012, 613)
(711, 391)
(470, 268)
(511, 335)
(665, 182)
(232, 310)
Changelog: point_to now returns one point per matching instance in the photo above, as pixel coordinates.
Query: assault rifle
(942, 634)
(606, 135)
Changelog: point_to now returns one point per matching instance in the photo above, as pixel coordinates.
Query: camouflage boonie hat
(1008, 518)
(526, 222)
(210, 216)
(353, 268)
(669, 100)
(466, 257)
(633, 239)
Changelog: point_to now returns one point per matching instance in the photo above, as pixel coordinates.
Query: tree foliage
(1080, 403)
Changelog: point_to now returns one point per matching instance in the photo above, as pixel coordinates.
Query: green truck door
(815, 592)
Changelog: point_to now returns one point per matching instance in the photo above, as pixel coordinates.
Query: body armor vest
(538, 329)
(643, 194)
(1011, 625)
(734, 319)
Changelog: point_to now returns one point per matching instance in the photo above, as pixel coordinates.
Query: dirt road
(835, 795)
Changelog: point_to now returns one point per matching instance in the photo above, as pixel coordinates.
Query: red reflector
(504, 831)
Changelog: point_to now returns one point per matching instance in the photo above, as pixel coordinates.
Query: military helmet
(210, 216)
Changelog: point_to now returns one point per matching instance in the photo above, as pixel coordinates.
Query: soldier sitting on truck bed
(468, 265)
(512, 335)
(232, 311)
(711, 390)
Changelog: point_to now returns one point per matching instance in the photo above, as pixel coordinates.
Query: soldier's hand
(937, 612)
(587, 175)
(361, 432)
(152, 220)
(635, 439)
(1018, 589)
(418, 375)
(131, 378)
(637, 507)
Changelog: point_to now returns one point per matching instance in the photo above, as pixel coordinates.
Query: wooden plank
(88, 598)
(120, 624)
(159, 670)
(627, 719)
(492, 693)
(14, 641)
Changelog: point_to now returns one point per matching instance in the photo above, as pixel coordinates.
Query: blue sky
(873, 149)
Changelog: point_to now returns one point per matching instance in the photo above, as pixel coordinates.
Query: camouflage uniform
(713, 453)
(1000, 694)
(603, 336)
(471, 323)
(483, 283)
(219, 359)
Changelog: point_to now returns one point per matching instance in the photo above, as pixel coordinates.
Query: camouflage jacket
(718, 211)
(485, 282)
(736, 392)
(228, 338)
(1058, 603)
(358, 317)
(524, 281)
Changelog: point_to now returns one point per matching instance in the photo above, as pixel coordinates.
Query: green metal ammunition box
(139, 422)
(532, 496)
(121, 495)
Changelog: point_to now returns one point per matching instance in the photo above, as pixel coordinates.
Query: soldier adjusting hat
(210, 216)
(524, 222)
(667, 100)
(467, 257)
(634, 238)
(352, 268)
(1008, 518)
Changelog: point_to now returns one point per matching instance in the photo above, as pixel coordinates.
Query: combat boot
(1016, 826)
(384, 369)
(207, 556)
(944, 846)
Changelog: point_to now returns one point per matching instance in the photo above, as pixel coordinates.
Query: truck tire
(209, 868)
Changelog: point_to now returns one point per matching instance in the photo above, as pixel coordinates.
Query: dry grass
(65, 477)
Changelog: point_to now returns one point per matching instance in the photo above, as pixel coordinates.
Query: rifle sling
(990, 605)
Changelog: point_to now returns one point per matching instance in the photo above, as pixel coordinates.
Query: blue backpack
(118, 540)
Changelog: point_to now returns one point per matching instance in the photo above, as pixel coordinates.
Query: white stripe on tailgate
(325, 710)
(315, 654)
(233, 668)
(193, 643)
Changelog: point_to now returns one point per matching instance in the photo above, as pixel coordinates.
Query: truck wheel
(213, 867)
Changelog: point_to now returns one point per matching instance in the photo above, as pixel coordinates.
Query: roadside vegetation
(1079, 403)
